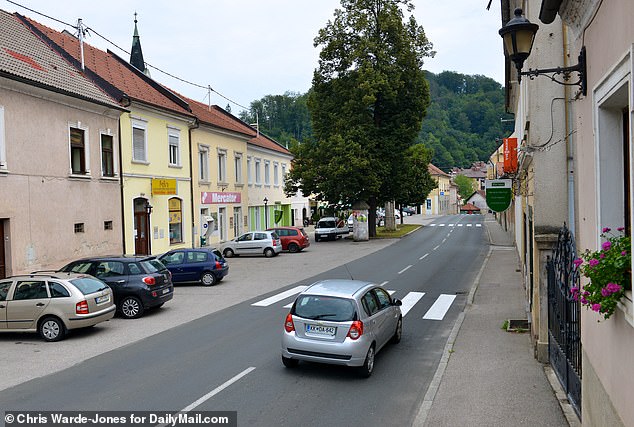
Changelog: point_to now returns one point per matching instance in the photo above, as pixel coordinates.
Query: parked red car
(294, 239)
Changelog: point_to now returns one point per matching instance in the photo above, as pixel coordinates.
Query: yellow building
(219, 165)
(439, 199)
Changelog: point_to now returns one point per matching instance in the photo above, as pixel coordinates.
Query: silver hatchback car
(341, 322)
(53, 303)
(257, 242)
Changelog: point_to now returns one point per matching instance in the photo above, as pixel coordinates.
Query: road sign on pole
(498, 194)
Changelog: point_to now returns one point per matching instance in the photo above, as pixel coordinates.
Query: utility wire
(92, 30)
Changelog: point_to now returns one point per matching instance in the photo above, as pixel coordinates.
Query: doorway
(141, 227)
(3, 263)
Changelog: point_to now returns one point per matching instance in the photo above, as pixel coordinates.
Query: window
(107, 225)
(267, 172)
(383, 297)
(32, 289)
(107, 155)
(237, 160)
(79, 227)
(195, 256)
(110, 269)
(176, 221)
(3, 150)
(249, 176)
(276, 179)
(4, 290)
(369, 304)
(139, 141)
(283, 172)
(258, 178)
(174, 138)
(203, 163)
(78, 164)
(173, 258)
(222, 166)
(58, 290)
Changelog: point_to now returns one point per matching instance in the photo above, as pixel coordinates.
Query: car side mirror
(397, 302)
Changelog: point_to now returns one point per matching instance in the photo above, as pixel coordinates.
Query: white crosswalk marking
(441, 225)
(460, 225)
(279, 297)
(440, 307)
(478, 225)
(469, 225)
(410, 301)
(432, 225)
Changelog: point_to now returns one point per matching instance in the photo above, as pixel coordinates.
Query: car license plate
(323, 235)
(166, 291)
(321, 330)
(102, 299)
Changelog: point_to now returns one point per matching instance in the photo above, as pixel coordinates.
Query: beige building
(60, 195)
(440, 200)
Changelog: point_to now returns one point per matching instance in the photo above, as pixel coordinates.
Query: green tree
(466, 186)
(415, 180)
(367, 102)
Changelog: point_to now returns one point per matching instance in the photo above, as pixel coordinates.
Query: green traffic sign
(498, 194)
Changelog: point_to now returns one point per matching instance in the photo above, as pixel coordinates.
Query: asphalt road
(172, 369)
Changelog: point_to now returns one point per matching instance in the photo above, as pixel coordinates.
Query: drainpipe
(570, 164)
(195, 125)
(125, 101)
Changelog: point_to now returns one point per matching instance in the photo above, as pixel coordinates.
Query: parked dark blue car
(203, 265)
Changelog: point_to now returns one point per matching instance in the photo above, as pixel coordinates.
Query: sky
(247, 49)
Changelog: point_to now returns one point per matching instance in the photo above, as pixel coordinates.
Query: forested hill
(461, 126)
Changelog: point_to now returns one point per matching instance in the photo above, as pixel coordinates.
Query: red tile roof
(469, 207)
(266, 142)
(109, 67)
(217, 117)
(433, 170)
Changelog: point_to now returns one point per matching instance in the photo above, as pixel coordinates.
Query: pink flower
(613, 287)
(602, 256)
(624, 253)
(607, 229)
(584, 301)
(605, 292)
(596, 307)
(606, 246)
(621, 228)
(593, 262)
(574, 290)
(578, 262)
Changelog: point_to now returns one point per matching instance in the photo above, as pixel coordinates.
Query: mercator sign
(498, 194)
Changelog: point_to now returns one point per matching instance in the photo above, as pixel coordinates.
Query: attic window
(25, 59)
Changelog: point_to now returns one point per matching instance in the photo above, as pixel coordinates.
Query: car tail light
(149, 280)
(81, 307)
(356, 330)
(218, 265)
(288, 324)
(276, 242)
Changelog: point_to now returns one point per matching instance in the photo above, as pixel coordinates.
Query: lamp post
(148, 207)
(519, 34)
(266, 213)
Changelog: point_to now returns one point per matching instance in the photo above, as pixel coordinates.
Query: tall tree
(466, 186)
(367, 103)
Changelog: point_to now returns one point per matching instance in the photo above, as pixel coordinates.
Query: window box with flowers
(609, 271)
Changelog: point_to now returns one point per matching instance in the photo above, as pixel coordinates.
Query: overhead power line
(90, 30)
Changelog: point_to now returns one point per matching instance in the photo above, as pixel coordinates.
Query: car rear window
(88, 285)
(152, 265)
(319, 307)
(218, 255)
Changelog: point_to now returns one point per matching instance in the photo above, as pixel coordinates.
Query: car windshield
(326, 224)
(88, 285)
(320, 307)
(152, 265)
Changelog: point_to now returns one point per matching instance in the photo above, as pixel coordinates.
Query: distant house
(438, 200)
(469, 209)
(478, 199)
(59, 150)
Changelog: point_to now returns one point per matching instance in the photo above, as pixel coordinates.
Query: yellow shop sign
(163, 186)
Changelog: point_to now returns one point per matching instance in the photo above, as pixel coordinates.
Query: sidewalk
(488, 376)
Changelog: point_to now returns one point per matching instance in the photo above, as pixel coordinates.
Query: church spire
(136, 55)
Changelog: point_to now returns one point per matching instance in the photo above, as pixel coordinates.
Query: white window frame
(267, 172)
(222, 166)
(249, 175)
(258, 177)
(176, 145)
(616, 88)
(3, 148)
(115, 171)
(237, 164)
(276, 178)
(203, 164)
(141, 125)
(84, 129)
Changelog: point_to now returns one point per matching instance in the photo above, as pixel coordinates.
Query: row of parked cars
(91, 290)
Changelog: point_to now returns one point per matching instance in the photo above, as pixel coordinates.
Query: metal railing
(564, 317)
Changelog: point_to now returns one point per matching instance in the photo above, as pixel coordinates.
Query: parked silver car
(257, 242)
(52, 304)
(342, 322)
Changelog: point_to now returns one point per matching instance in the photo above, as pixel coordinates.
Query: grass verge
(401, 230)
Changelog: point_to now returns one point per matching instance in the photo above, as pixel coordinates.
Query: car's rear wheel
(396, 338)
(131, 307)
(208, 279)
(293, 247)
(269, 252)
(368, 365)
(228, 253)
(289, 363)
(51, 329)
